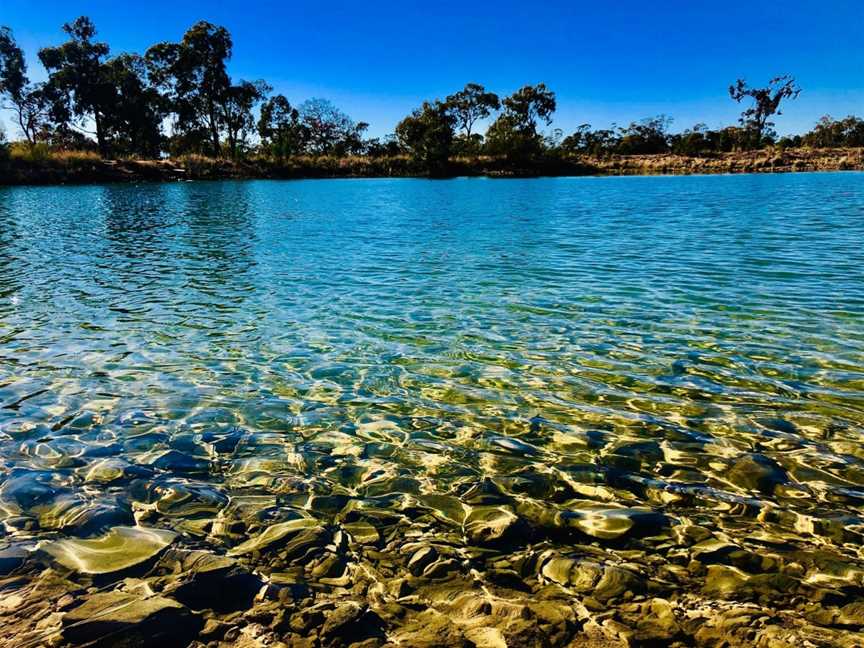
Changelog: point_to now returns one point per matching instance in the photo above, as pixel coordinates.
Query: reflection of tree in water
(221, 333)
(10, 282)
(178, 236)
(220, 235)
(137, 219)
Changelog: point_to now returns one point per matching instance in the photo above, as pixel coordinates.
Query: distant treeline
(178, 98)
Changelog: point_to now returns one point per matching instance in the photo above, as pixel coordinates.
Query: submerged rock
(274, 536)
(489, 525)
(118, 550)
(112, 469)
(11, 558)
(203, 580)
(179, 462)
(756, 472)
(603, 582)
(125, 619)
(75, 515)
(610, 523)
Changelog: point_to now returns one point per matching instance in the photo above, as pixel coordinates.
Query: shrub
(26, 153)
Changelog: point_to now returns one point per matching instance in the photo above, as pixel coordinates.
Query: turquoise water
(589, 361)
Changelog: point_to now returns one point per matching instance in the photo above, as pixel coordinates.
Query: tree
(77, 81)
(766, 103)
(193, 74)
(134, 123)
(427, 134)
(645, 137)
(590, 142)
(387, 146)
(329, 130)
(471, 104)
(236, 111)
(514, 133)
(840, 132)
(279, 127)
(29, 102)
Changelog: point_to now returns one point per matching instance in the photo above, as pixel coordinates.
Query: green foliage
(28, 102)
(766, 103)
(388, 146)
(427, 134)
(646, 137)
(134, 123)
(832, 133)
(329, 131)
(13, 69)
(78, 79)
(194, 78)
(282, 135)
(35, 153)
(127, 98)
(236, 112)
(514, 134)
(471, 104)
(585, 141)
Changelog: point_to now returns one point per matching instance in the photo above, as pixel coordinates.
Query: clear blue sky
(607, 61)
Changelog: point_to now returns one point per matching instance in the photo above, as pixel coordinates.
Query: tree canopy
(766, 103)
(179, 97)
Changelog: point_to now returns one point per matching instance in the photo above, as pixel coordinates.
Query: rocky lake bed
(592, 412)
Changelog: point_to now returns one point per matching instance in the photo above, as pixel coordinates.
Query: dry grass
(41, 153)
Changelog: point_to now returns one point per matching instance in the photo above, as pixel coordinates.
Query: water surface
(510, 372)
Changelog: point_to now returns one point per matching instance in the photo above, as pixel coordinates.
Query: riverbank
(87, 168)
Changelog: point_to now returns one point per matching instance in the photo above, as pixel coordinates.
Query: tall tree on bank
(470, 105)
(194, 77)
(29, 102)
(77, 80)
(236, 112)
(138, 108)
(330, 131)
(282, 135)
(427, 134)
(514, 134)
(766, 103)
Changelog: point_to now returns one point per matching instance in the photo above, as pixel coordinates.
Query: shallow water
(513, 373)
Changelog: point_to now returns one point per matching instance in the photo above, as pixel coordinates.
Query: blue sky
(607, 61)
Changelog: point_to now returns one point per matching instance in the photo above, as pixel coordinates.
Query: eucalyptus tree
(279, 128)
(648, 136)
(427, 134)
(79, 87)
(236, 106)
(830, 132)
(329, 130)
(194, 77)
(29, 102)
(766, 104)
(134, 122)
(514, 133)
(470, 105)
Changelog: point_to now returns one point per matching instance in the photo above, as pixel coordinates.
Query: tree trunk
(214, 131)
(100, 134)
(24, 128)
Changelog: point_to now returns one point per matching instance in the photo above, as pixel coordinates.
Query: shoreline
(87, 169)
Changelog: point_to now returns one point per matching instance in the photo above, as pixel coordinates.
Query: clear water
(673, 352)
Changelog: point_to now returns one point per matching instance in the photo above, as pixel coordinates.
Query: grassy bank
(82, 167)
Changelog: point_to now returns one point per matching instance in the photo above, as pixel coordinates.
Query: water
(620, 369)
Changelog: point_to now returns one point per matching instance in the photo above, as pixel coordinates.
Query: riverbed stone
(490, 525)
(118, 618)
(118, 550)
(756, 473)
